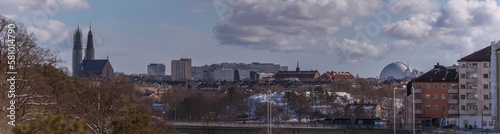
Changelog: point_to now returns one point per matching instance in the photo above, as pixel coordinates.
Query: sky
(357, 36)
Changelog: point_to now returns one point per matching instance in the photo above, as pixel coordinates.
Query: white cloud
(295, 25)
(462, 26)
(415, 26)
(53, 32)
(413, 6)
(36, 15)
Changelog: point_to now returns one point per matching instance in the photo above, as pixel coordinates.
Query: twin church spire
(77, 50)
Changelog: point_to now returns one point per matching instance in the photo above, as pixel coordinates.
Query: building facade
(436, 97)
(495, 61)
(181, 69)
(297, 75)
(156, 69)
(475, 90)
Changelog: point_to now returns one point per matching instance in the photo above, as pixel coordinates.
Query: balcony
(486, 111)
(452, 111)
(470, 79)
(470, 101)
(418, 111)
(417, 90)
(469, 69)
(471, 90)
(453, 101)
(470, 111)
(451, 90)
(418, 101)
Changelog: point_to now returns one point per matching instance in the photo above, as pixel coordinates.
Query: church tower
(77, 52)
(89, 50)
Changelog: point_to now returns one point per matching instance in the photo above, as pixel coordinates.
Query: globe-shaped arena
(395, 70)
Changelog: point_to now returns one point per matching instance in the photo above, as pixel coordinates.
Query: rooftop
(439, 74)
(481, 55)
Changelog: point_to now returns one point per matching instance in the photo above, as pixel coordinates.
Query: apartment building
(181, 69)
(436, 97)
(475, 91)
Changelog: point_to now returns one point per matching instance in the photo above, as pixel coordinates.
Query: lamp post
(269, 112)
(413, 109)
(394, 122)
(482, 115)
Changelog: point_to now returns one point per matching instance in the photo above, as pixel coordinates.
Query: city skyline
(329, 37)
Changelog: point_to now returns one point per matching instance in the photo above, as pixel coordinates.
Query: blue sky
(321, 35)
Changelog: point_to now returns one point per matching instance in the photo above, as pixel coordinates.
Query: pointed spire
(90, 26)
(78, 27)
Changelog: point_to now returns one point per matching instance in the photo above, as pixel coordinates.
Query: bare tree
(34, 65)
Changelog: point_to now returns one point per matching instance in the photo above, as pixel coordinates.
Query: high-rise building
(181, 69)
(475, 92)
(156, 69)
(436, 97)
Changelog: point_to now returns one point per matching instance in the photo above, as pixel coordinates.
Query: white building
(398, 70)
(475, 90)
(228, 74)
(222, 71)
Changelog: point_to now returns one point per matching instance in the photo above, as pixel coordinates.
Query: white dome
(395, 70)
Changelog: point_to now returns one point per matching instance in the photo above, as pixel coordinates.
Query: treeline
(308, 102)
(48, 101)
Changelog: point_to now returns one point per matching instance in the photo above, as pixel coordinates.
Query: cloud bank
(324, 26)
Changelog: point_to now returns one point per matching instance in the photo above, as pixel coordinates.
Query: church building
(88, 66)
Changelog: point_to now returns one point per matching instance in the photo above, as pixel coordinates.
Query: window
(443, 86)
(419, 107)
(484, 123)
(443, 107)
(485, 107)
(474, 65)
(419, 96)
(427, 107)
(454, 86)
(462, 75)
(486, 86)
(427, 96)
(462, 96)
(435, 86)
(486, 97)
(462, 65)
(427, 85)
(436, 96)
(436, 107)
(419, 86)
(486, 65)
(462, 107)
(443, 96)
(485, 75)
(462, 86)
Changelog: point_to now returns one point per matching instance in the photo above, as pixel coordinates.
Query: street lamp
(482, 114)
(394, 99)
(269, 112)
